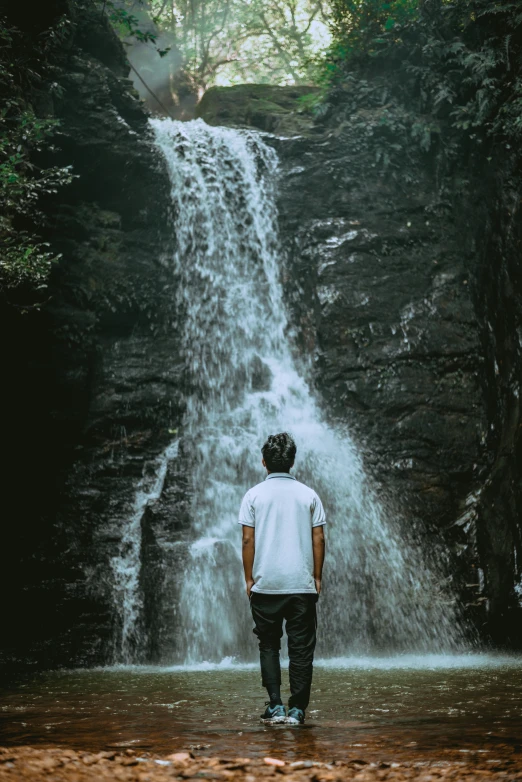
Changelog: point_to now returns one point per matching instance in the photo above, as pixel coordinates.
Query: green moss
(264, 106)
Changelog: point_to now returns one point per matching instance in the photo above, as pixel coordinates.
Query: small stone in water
(49, 763)
(180, 757)
(239, 764)
(274, 762)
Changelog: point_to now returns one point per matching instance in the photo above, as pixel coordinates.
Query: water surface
(386, 708)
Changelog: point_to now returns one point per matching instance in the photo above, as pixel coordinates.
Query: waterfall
(379, 594)
(126, 566)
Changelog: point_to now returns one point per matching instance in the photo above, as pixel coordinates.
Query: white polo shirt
(283, 511)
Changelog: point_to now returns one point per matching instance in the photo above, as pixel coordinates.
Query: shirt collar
(280, 475)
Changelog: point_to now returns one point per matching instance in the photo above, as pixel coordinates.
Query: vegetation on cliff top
(25, 259)
(460, 60)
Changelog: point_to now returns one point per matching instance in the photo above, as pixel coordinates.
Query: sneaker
(295, 716)
(273, 714)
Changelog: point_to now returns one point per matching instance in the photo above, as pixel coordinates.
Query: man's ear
(263, 462)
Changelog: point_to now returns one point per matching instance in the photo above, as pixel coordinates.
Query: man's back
(283, 511)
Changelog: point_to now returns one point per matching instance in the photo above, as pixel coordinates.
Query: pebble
(180, 757)
(50, 763)
(90, 760)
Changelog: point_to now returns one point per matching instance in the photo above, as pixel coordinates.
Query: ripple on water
(430, 705)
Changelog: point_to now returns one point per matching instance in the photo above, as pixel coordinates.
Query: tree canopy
(195, 44)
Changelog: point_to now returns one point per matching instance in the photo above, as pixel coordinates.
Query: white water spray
(378, 593)
(126, 566)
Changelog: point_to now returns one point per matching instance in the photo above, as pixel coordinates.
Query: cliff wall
(93, 378)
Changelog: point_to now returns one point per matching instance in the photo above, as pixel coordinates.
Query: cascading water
(378, 593)
(126, 565)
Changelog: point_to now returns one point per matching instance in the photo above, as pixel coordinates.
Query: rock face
(389, 278)
(495, 224)
(262, 106)
(94, 388)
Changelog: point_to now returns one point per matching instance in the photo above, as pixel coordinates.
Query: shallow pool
(433, 707)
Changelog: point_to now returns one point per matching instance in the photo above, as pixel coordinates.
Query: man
(283, 554)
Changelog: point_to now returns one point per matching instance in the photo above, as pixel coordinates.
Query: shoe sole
(274, 721)
(293, 721)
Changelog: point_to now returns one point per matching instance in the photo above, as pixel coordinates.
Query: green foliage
(25, 260)
(461, 59)
(128, 25)
(367, 27)
(309, 103)
(226, 42)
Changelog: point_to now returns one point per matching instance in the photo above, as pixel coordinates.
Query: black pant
(269, 611)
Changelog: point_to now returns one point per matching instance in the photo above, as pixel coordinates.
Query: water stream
(415, 708)
(379, 593)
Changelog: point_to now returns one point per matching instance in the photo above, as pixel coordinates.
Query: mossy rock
(262, 106)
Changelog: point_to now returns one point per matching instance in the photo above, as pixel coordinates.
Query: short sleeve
(246, 512)
(318, 515)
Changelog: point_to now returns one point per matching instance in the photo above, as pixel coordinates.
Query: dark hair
(279, 452)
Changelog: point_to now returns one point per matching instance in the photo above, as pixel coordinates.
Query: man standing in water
(283, 555)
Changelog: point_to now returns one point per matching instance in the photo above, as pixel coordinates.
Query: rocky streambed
(57, 763)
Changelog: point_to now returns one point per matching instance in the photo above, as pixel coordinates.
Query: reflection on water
(386, 707)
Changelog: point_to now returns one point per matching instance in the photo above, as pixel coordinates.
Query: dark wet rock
(495, 232)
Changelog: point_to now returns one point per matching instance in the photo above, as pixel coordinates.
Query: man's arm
(248, 556)
(318, 545)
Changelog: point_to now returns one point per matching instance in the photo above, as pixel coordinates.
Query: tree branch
(278, 46)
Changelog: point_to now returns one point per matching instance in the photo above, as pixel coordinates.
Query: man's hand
(318, 546)
(248, 556)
